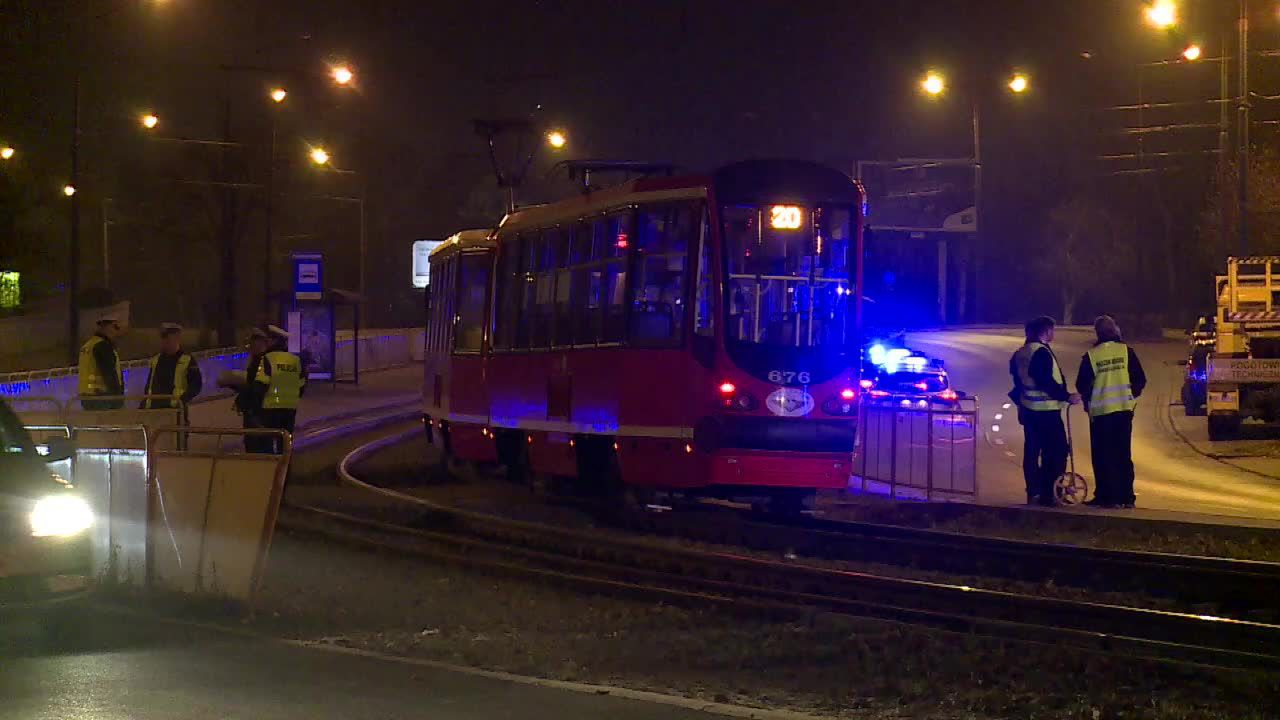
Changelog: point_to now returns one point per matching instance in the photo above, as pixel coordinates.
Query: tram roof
(638, 190)
(465, 240)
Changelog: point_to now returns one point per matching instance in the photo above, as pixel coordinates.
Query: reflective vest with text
(1112, 391)
(282, 374)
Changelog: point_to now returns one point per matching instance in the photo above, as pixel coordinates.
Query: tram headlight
(740, 402)
(839, 405)
(60, 516)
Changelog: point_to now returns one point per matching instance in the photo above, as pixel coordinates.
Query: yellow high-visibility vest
(90, 380)
(1033, 398)
(1112, 390)
(179, 380)
(284, 381)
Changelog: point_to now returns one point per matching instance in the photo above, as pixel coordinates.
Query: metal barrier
(109, 468)
(187, 521)
(213, 512)
(72, 413)
(913, 451)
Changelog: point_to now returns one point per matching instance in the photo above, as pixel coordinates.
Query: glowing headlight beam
(60, 516)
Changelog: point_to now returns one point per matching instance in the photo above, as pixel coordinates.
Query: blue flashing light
(876, 354)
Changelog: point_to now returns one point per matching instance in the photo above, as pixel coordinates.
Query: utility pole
(73, 256)
(1243, 150)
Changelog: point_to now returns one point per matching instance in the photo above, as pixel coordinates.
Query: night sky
(697, 83)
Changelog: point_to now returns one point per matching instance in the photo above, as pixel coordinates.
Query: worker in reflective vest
(1111, 379)
(1040, 393)
(173, 372)
(99, 367)
(278, 385)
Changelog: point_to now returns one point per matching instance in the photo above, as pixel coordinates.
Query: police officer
(99, 370)
(278, 385)
(246, 401)
(1041, 394)
(1111, 379)
(173, 372)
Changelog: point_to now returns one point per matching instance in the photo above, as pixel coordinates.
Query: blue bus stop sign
(308, 276)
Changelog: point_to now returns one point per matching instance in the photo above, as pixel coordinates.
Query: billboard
(422, 261)
(921, 195)
(308, 276)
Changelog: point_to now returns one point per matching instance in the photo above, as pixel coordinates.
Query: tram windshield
(788, 274)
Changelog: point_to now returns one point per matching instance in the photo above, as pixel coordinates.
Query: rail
(632, 565)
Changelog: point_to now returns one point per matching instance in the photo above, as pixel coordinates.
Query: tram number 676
(786, 377)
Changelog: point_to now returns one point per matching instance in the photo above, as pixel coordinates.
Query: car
(912, 379)
(1195, 384)
(44, 543)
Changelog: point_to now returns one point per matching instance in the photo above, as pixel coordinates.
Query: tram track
(607, 563)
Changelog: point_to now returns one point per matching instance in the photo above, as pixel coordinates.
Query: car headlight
(60, 516)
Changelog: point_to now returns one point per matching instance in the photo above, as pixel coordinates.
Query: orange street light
(933, 83)
(68, 190)
(319, 156)
(1192, 53)
(342, 75)
(279, 94)
(556, 139)
(6, 153)
(1019, 83)
(149, 121)
(1162, 14)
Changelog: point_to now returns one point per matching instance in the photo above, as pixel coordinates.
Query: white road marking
(999, 416)
(1005, 406)
(995, 428)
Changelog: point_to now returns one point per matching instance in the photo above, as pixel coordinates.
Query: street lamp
(342, 75)
(1192, 53)
(556, 139)
(319, 156)
(279, 94)
(6, 153)
(1019, 83)
(1162, 14)
(68, 190)
(933, 84)
(149, 121)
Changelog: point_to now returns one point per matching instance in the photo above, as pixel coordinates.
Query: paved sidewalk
(324, 400)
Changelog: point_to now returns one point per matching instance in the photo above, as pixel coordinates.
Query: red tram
(697, 334)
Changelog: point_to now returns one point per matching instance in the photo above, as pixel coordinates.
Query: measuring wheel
(1070, 488)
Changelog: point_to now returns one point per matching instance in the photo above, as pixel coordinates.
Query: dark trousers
(1044, 452)
(256, 443)
(278, 419)
(1110, 439)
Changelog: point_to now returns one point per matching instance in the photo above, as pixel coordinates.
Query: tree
(1220, 222)
(1087, 252)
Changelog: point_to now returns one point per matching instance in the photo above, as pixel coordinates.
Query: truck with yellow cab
(1243, 368)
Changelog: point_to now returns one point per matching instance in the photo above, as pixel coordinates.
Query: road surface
(136, 668)
(1173, 474)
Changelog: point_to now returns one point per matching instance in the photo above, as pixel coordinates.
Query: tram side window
(617, 242)
(588, 278)
(527, 289)
(509, 283)
(704, 322)
(474, 291)
(543, 290)
(444, 305)
(658, 295)
(563, 326)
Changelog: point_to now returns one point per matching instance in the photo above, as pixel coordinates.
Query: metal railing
(914, 449)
